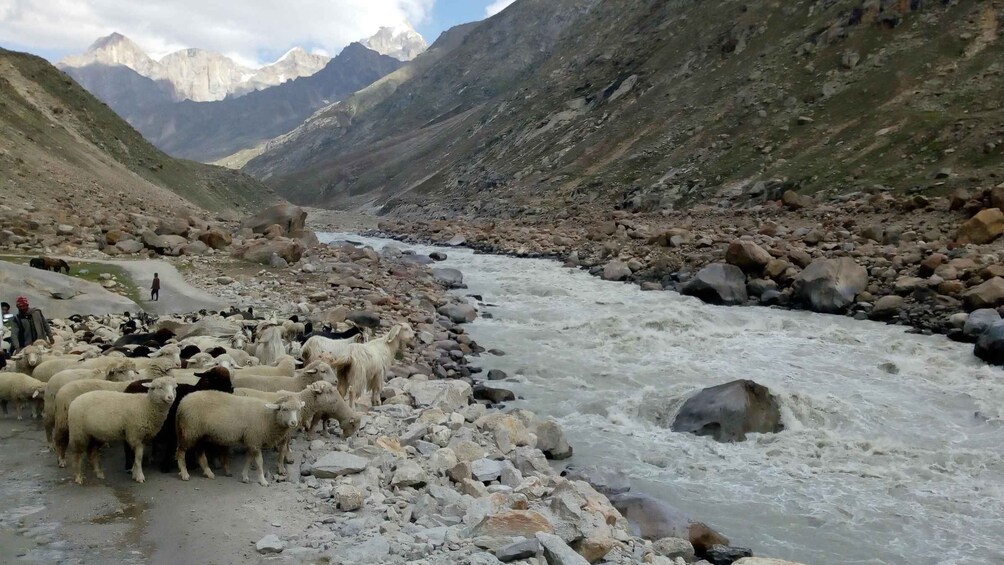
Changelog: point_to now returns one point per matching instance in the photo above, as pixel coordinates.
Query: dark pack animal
(166, 440)
(50, 264)
(159, 338)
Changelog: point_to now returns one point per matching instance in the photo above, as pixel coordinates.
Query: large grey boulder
(980, 321)
(729, 411)
(718, 283)
(58, 295)
(830, 285)
(990, 344)
(459, 313)
(747, 255)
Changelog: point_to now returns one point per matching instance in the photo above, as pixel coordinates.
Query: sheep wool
(103, 416)
(66, 395)
(315, 372)
(228, 420)
(20, 388)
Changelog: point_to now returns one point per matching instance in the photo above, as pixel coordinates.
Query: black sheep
(166, 440)
(159, 338)
(351, 332)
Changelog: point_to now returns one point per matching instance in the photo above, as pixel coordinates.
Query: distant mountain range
(203, 106)
(195, 74)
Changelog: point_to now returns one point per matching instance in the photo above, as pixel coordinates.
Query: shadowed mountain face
(656, 104)
(61, 146)
(206, 131)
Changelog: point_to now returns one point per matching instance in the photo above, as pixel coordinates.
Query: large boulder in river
(990, 344)
(830, 285)
(653, 519)
(450, 278)
(729, 411)
(980, 321)
(747, 255)
(718, 283)
(616, 271)
(292, 219)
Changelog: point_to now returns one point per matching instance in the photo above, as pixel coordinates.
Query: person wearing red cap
(28, 326)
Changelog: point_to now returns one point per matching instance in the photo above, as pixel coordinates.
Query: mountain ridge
(196, 74)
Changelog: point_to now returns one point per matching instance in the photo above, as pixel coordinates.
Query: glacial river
(893, 450)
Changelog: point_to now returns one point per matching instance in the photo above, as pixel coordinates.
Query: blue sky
(252, 32)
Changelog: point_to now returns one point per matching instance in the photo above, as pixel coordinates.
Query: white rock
(270, 544)
(336, 464)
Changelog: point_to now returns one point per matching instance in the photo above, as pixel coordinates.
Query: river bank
(913, 263)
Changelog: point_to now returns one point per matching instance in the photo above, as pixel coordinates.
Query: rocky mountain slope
(62, 149)
(206, 131)
(655, 104)
(190, 74)
(401, 42)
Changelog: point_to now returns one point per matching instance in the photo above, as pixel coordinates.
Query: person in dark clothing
(28, 326)
(5, 316)
(155, 289)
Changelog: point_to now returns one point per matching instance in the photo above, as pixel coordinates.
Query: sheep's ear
(271, 406)
(36, 393)
(393, 333)
(311, 371)
(147, 385)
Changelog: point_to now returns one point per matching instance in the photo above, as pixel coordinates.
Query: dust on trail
(46, 518)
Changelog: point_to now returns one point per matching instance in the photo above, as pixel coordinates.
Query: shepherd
(155, 288)
(28, 326)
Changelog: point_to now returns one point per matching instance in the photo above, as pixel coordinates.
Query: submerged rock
(729, 411)
(990, 345)
(653, 519)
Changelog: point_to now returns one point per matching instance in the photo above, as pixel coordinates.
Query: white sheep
(284, 367)
(66, 395)
(123, 370)
(364, 364)
(227, 420)
(317, 345)
(19, 388)
(53, 365)
(28, 358)
(292, 330)
(315, 372)
(315, 397)
(101, 416)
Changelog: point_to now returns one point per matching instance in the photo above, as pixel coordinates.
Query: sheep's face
(287, 412)
(125, 371)
(351, 426)
(32, 356)
(162, 390)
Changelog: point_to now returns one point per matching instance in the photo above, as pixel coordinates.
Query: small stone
(270, 544)
(337, 464)
(348, 498)
(519, 548)
(557, 552)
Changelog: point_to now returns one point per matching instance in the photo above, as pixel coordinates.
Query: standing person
(28, 326)
(155, 288)
(4, 348)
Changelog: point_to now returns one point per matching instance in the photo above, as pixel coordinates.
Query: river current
(893, 448)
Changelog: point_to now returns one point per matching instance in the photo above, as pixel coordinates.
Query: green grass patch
(91, 272)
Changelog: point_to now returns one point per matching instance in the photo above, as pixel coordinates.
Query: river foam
(892, 451)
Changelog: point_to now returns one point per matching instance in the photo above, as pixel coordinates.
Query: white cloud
(496, 7)
(248, 29)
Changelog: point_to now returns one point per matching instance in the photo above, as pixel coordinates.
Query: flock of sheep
(194, 387)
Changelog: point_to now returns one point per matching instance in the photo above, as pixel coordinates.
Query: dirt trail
(46, 518)
(176, 295)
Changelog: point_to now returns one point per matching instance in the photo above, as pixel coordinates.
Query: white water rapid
(893, 450)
